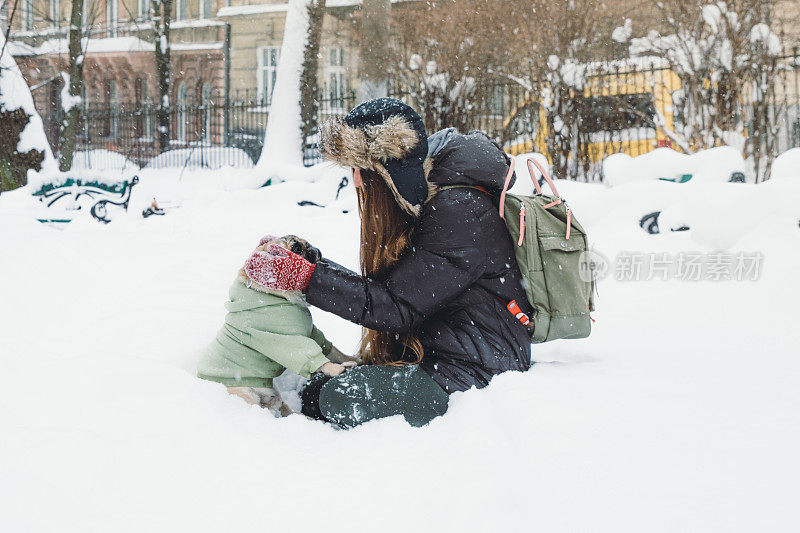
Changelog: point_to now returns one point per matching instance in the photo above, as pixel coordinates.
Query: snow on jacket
(453, 284)
(263, 335)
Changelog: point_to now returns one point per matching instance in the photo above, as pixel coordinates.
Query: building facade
(120, 53)
(221, 50)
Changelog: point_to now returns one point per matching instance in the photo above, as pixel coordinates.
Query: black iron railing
(628, 106)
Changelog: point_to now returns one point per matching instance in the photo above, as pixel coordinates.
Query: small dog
(295, 245)
(246, 353)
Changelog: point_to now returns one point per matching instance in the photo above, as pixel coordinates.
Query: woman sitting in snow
(437, 269)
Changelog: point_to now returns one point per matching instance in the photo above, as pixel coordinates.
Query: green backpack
(552, 252)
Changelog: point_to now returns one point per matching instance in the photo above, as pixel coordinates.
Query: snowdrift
(708, 166)
(678, 413)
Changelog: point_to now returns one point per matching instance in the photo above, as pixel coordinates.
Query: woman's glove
(277, 268)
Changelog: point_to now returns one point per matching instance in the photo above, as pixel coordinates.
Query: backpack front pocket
(566, 291)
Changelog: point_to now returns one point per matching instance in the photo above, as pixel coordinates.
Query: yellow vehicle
(618, 109)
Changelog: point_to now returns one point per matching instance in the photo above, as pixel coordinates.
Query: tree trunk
(161, 14)
(71, 123)
(309, 84)
(283, 139)
(375, 17)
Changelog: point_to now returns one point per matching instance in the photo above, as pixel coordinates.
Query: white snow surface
(678, 413)
(786, 165)
(102, 45)
(712, 166)
(622, 33)
(101, 159)
(67, 100)
(213, 157)
(763, 34)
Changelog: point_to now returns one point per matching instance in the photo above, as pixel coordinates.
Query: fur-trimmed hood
(386, 136)
(367, 147)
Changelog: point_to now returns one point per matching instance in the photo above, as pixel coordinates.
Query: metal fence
(211, 133)
(623, 106)
(628, 106)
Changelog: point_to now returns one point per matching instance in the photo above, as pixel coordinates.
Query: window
(147, 105)
(495, 100)
(180, 131)
(205, 9)
(110, 113)
(113, 108)
(205, 99)
(335, 79)
(27, 15)
(180, 10)
(55, 13)
(143, 9)
(267, 71)
(616, 113)
(112, 17)
(144, 111)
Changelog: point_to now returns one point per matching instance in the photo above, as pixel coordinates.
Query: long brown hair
(385, 234)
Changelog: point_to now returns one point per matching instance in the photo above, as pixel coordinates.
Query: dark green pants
(369, 392)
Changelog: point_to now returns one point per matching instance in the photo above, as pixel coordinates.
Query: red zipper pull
(517, 312)
(521, 225)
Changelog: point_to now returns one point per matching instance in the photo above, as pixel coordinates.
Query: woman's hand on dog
(335, 369)
(277, 268)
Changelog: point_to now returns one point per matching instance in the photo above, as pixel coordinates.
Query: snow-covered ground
(679, 413)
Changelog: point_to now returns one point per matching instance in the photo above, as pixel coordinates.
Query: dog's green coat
(263, 335)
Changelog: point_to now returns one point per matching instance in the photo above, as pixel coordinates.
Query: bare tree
(375, 18)
(83, 15)
(74, 87)
(553, 65)
(445, 54)
(463, 60)
(725, 55)
(161, 17)
(308, 77)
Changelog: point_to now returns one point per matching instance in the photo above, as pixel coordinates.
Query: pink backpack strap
(545, 175)
(538, 188)
(505, 188)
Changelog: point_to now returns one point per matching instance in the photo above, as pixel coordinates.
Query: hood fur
(364, 148)
(370, 147)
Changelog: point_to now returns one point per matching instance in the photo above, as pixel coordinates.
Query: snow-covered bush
(715, 165)
(23, 145)
(14, 164)
(726, 57)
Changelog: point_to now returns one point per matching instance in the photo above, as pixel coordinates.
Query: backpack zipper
(521, 224)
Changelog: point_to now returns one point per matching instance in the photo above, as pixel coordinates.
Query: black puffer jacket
(453, 285)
